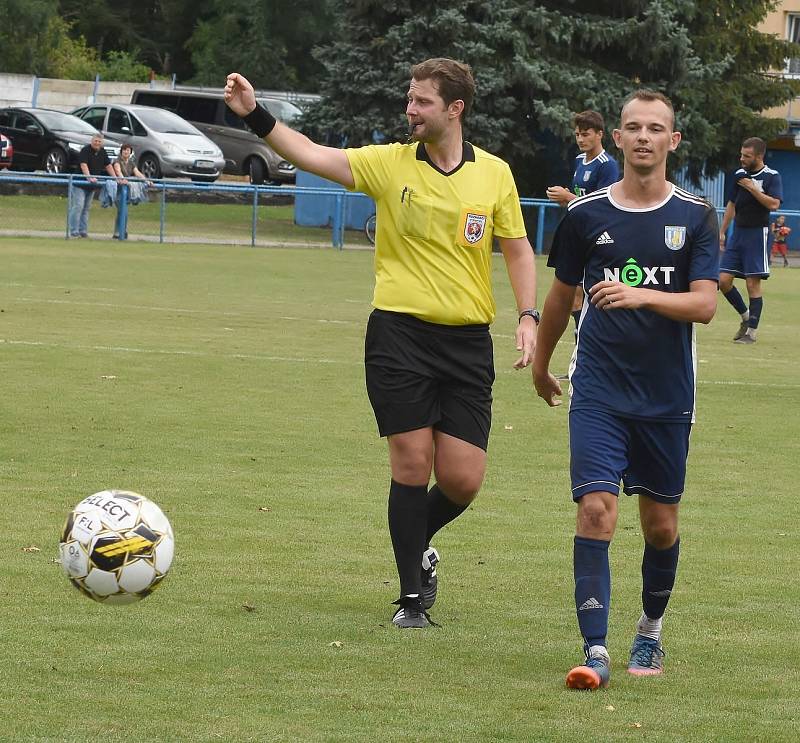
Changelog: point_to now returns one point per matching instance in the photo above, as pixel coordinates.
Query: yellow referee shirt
(433, 245)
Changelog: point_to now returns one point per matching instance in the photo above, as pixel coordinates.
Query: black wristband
(261, 121)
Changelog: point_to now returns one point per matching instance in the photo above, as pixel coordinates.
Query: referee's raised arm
(327, 162)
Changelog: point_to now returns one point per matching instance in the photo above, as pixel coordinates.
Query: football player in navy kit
(646, 253)
(594, 169)
(756, 191)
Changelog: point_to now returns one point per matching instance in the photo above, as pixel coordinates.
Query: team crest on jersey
(474, 227)
(587, 175)
(674, 237)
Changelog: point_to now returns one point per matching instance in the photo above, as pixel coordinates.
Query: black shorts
(422, 374)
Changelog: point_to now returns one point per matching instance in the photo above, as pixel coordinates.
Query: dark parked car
(245, 153)
(6, 152)
(48, 140)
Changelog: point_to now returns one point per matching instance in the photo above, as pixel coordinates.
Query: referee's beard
(427, 135)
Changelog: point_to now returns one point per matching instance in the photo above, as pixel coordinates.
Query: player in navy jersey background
(646, 253)
(757, 190)
(594, 169)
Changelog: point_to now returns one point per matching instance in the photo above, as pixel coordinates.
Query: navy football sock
(441, 511)
(736, 300)
(658, 578)
(592, 588)
(408, 511)
(756, 306)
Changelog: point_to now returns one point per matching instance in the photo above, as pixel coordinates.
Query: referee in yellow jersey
(428, 353)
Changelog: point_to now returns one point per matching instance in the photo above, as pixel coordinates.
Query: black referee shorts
(422, 374)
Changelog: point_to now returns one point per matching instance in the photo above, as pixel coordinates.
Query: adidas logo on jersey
(591, 603)
(604, 239)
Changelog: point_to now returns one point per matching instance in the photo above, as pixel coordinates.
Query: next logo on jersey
(633, 274)
(674, 237)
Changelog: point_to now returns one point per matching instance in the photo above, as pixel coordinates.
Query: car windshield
(64, 122)
(165, 122)
(283, 110)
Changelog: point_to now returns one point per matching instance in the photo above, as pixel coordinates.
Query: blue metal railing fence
(71, 181)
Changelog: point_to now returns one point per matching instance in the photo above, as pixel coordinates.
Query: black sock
(441, 511)
(735, 299)
(756, 308)
(408, 508)
(658, 578)
(592, 588)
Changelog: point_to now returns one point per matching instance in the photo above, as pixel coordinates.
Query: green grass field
(226, 384)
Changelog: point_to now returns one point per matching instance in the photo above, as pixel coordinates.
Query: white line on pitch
(167, 352)
(180, 310)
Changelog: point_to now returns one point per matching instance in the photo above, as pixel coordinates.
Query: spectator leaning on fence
(93, 161)
(124, 168)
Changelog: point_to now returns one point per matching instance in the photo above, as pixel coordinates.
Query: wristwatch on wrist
(531, 313)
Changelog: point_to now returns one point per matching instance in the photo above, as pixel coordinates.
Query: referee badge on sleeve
(474, 227)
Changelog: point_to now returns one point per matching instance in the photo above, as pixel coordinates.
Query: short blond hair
(645, 94)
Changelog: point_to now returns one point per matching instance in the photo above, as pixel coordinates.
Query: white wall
(15, 90)
(66, 95)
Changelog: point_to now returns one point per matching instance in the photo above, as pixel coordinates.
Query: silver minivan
(245, 153)
(165, 144)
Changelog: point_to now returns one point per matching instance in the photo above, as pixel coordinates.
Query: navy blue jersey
(749, 213)
(635, 363)
(599, 172)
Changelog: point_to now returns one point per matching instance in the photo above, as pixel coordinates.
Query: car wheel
(258, 171)
(55, 161)
(150, 167)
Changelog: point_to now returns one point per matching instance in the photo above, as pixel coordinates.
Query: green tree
(125, 67)
(25, 35)
(727, 108)
(69, 58)
(536, 63)
(269, 41)
(151, 32)
(377, 42)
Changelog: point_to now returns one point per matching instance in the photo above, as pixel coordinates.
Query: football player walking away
(647, 253)
(428, 353)
(594, 169)
(757, 190)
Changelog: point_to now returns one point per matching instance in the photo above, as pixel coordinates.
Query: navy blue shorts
(747, 253)
(649, 457)
(422, 374)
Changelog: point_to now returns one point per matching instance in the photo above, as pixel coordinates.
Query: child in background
(780, 233)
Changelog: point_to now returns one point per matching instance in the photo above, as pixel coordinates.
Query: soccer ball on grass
(116, 547)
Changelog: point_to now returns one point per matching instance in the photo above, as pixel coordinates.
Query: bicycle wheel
(369, 229)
